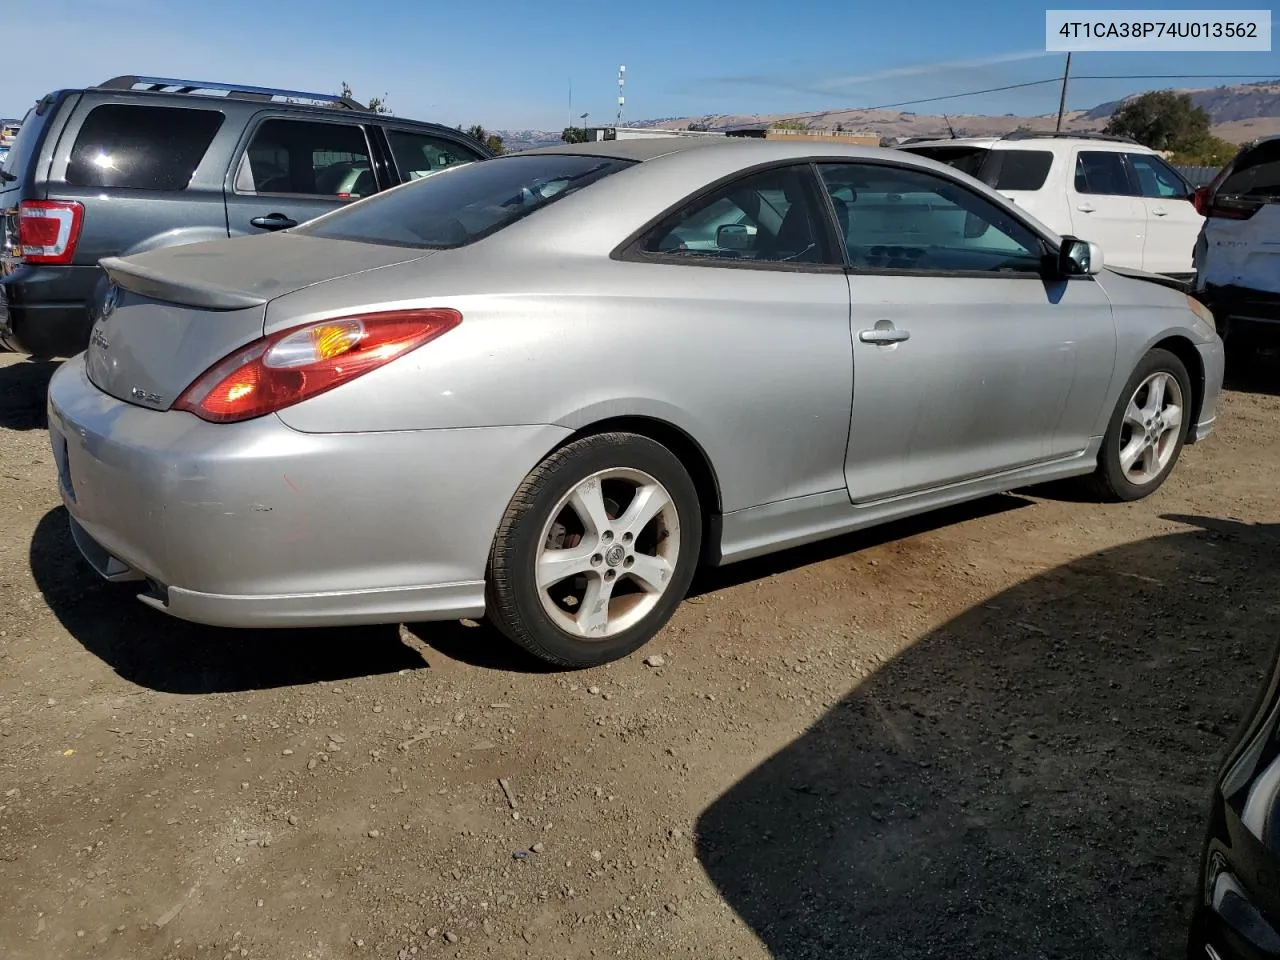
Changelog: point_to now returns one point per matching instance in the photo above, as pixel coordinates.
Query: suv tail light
(288, 367)
(48, 230)
(1232, 208)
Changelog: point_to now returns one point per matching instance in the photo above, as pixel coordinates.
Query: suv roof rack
(1053, 134)
(235, 90)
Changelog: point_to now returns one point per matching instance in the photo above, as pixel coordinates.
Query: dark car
(137, 163)
(1237, 913)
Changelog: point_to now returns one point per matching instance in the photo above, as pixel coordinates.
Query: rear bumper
(46, 309)
(256, 524)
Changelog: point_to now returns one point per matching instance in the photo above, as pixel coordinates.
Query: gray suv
(143, 162)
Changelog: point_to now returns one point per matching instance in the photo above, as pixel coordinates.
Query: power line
(1031, 83)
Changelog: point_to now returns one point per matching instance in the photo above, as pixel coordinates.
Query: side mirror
(736, 236)
(1079, 258)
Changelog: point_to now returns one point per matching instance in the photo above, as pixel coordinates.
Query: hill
(1238, 113)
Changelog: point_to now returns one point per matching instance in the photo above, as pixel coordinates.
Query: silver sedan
(546, 387)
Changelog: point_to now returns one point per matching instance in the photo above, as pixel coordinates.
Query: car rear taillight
(1201, 200)
(294, 365)
(1232, 208)
(48, 230)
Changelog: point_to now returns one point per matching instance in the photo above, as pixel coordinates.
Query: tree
(1210, 152)
(574, 134)
(490, 140)
(375, 104)
(788, 125)
(1161, 120)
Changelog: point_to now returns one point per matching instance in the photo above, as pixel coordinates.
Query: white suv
(1238, 254)
(1113, 191)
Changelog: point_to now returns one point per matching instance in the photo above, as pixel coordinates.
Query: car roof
(761, 151)
(1034, 140)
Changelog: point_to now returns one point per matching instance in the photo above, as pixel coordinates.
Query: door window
(1156, 178)
(418, 155)
(897, 219)
(309, 158)
(767, 217)
(1102, 172)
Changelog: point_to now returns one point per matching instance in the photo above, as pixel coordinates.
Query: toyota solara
(544, 388)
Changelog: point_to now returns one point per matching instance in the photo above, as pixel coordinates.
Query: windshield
(462, 204)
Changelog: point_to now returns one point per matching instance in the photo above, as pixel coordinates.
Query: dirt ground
(986, 733)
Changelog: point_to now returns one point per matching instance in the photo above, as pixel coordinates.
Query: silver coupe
(545, 388)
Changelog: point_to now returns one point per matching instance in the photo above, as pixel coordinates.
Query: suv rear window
(463, 204)
(1256, 173)
(141, 148)
(998, 169)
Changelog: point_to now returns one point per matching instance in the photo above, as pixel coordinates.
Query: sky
(510, 65)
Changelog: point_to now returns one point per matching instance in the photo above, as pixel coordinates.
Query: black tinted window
(142, 148)
(24, 142)
(460, 205)
(1256, 173)
(1020, 169)
(770, 217)
(965, 159)
(307, 157)
(1101, 172)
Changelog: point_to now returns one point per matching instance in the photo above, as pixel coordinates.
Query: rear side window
(1019, 169)
(141, 148)
(463, 204)
(1102, 172)
(1256, 173)
(305, 157)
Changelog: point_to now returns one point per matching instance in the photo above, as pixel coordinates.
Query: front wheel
(1147, 429)
(595, 551)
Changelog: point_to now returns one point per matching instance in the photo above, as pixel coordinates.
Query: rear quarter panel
(754, 366)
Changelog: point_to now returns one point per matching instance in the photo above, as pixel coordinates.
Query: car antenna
(949, 126)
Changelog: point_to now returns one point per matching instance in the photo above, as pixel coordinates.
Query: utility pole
(1062, 102)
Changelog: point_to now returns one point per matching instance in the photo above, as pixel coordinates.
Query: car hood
(1180, 285)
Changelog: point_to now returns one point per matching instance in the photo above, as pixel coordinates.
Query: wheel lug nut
(629, 561)
(596, 560)
(610, 574)
(627, 538)
(607, 536)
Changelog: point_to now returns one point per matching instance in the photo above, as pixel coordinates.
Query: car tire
(575, 536)
(1141, 446)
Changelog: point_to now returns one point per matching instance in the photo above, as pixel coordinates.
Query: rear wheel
(1147, 429)
(595, 551)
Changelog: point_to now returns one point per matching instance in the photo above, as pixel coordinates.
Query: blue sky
(508, 65)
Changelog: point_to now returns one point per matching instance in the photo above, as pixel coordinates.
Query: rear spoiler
(138, 279)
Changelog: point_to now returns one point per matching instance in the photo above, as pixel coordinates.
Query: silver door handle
(883, 336)
(1160, 212)
(1086, 208)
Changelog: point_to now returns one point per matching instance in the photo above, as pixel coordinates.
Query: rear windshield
(1256, 173)
(999, 169)
(462, 204)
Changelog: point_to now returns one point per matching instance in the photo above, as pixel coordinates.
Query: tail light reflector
(293, 365)
(48, 230)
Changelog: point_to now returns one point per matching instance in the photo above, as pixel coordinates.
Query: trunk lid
(171, 314)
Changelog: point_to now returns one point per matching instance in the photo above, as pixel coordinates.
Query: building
(644, 133)
(862, 138)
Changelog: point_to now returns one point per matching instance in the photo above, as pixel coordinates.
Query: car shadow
(23, 389)
(1030, 779)
(161, 653)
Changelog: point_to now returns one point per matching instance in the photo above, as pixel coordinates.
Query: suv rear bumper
(1244, 314)
(45, 310)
